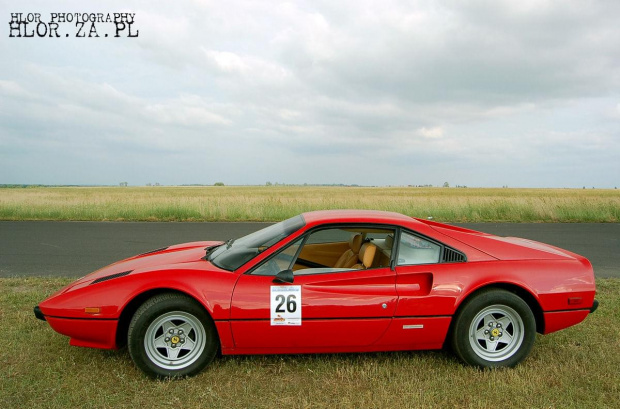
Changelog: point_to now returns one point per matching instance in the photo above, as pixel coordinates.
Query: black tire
(171, 335)
(495, 328)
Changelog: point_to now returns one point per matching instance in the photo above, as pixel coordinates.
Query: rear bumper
(594, 306)
(557, 320)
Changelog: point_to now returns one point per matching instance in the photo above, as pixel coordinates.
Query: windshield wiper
(210, 250)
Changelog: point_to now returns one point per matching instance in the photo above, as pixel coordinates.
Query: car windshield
(235, 253)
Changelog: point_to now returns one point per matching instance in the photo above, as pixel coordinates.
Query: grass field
(574, 368)
(274, 203)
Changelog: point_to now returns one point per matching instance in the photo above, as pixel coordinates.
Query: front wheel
(171, 335)
(495, 328)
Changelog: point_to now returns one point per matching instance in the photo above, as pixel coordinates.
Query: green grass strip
(274, 203)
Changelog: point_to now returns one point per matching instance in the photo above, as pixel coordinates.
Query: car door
(323, 309)
(336, 309)
(424, 309)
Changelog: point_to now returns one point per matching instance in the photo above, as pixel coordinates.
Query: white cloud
(187, 110)
(430, 133)
(12, 89)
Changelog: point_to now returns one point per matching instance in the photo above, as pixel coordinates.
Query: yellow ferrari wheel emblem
(175, 340)
(495, 332)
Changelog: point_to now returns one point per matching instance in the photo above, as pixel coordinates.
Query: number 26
(291, 304)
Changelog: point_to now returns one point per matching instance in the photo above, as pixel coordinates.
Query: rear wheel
(171, 335)
(495, 328)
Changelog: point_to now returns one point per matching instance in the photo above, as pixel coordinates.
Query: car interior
(350, 248)
(347, 248)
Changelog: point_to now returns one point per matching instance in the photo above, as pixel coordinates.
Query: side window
(282, 261)
(336, 249)
(329, 236)
(344, 248)
(415, 250)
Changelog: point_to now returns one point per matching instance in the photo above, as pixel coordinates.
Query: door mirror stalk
(284, 277)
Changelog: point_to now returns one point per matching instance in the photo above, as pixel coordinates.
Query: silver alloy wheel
(496, 333)
(175, 340)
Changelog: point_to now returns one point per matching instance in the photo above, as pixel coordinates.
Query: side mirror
(284, 277)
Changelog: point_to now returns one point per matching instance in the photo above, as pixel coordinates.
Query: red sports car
(328, 281)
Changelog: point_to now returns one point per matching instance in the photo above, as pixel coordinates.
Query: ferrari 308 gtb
(328, 282)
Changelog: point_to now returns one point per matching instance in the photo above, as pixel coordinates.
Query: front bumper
(91, 333)
(38, 313)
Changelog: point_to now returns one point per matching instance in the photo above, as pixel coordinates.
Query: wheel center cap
(175, 339)
(495, 332)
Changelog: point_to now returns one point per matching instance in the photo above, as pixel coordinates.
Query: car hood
(506, 248)
(152, 260)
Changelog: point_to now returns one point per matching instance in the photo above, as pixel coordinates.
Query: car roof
(359, 216)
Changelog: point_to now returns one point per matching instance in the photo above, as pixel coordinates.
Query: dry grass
(278, 202)
(574, 368)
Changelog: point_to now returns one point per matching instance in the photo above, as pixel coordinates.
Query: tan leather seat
(350, 257)
(366, 256)
(389, 242)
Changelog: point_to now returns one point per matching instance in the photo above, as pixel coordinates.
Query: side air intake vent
(110, 277)
(453, 256)
(152, 251)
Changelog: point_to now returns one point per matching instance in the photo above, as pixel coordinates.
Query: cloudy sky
(479, 93)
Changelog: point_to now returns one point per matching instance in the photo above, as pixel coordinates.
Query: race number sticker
(286, 305)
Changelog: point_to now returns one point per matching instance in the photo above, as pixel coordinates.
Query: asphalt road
(73, 249)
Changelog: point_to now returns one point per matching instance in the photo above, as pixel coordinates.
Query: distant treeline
(22, 186)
